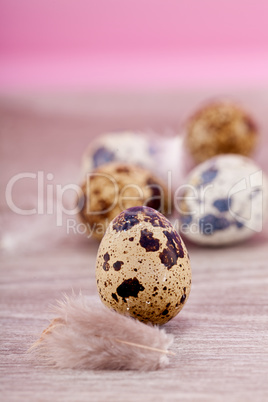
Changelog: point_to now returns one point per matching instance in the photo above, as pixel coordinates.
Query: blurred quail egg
(220, 127)
(224, 201)
(114, 187)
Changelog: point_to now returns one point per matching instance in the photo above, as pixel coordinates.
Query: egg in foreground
(143, 267)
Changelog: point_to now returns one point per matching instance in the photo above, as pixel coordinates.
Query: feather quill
(88, 335)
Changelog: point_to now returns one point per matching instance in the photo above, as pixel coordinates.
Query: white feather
(88, 335)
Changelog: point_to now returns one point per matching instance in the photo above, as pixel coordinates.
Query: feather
(88, 335)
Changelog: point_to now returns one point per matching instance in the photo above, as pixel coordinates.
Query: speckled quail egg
(143, 267)
(224, 201)
(126, 146)
(220, 127)
(149, 150)
(114, 187)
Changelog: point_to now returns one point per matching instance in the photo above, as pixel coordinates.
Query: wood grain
(221, 335)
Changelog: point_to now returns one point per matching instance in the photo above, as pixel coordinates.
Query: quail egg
(224, 201)
(143, 267)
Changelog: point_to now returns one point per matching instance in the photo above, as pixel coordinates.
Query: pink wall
(107, 30)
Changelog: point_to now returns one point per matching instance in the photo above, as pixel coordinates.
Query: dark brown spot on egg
(165, 312)
(148, 242)
(106, 265)
(158, 220)
(117, 265)
(174, 250)
(167, 258)
(129, 287)
(114, 296)
(125, 220)
(122, 169)
(183, 298)
(131, 239)
(175, 240)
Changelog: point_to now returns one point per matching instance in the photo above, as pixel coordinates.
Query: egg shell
(114, 187)
(149, 150)
(126, 146)
(220, 127)
(224, 201)
(143, 267)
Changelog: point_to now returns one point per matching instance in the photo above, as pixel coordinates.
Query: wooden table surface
(221, 335)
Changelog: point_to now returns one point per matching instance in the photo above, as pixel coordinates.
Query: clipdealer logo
(50, 197)
(61, 200)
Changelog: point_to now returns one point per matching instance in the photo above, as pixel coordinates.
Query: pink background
(132, 43)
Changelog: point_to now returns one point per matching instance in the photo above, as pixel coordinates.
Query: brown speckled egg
(143, 267)
(114, 187)
(220, 127)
